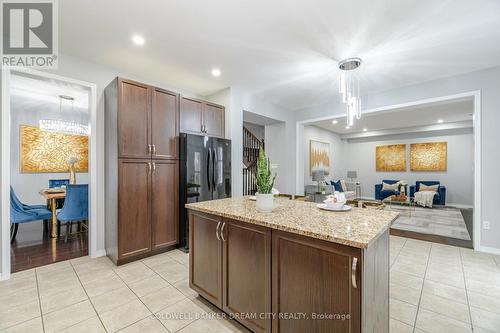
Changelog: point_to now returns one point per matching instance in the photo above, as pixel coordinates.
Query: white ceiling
(285, 50)
(28, 91)
(416, 116)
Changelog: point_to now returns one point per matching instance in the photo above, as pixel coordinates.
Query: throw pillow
(337, 185)
(432, 188)
(389, 187)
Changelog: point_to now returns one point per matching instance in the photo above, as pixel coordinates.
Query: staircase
(251, 146)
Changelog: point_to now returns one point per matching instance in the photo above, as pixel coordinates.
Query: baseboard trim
(490, 250)
(98, 253)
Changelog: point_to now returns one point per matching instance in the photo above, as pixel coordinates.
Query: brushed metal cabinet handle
(217, 231)
(149, 167)
(154, 149)
(353, 272)
(154, 167)
(149, 148)
(222, 232)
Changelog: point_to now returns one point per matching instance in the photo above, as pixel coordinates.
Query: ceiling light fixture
(349, 88)
(216, 72)
(335, 121)
(347, 127)
(440, 121)
(138, 40)
(365, 129)
(64, 126)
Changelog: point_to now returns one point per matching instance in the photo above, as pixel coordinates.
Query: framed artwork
(431, 156)
(390, 158)
(49, 152)
(319, 157)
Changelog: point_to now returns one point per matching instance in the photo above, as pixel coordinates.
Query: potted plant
(265, 182)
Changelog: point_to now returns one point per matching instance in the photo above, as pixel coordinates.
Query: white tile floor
(434, 288)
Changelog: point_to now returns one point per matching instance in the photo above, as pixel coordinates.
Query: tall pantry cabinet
(142, 170)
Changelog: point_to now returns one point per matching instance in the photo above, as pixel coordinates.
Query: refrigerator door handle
(214, 163)
(208, 168)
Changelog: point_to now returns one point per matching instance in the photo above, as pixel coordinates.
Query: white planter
(265, 202)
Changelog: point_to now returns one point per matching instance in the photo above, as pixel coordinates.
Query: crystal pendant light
(349, 88)
(63, 126)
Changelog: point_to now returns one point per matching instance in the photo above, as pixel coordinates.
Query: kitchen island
(296, 269)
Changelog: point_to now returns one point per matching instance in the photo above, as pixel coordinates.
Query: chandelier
(64, 126)
(349, 88)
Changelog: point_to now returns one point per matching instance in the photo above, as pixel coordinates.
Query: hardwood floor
(31, 249)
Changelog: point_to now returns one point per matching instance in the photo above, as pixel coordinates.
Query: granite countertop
(358, 227)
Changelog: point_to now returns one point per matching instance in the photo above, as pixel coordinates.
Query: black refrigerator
(204, 174)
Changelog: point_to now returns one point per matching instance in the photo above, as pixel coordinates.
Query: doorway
(460, 201)
(48, 169)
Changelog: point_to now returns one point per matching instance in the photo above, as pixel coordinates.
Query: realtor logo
(29, 31)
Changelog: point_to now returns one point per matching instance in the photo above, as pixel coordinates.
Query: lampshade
(352, 174)
(318, 175)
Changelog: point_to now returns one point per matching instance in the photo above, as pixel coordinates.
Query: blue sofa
(439, 198)
(382, 194)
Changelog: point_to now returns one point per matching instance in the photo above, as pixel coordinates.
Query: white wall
(337, 169)
(458, 179)
(275, 140)
(28, 111)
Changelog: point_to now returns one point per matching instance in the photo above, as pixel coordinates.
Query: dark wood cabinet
(213, 116)
(205, 258)
(134, 229)
(315, 277)
(230, 265)
(164, 124)
(191, 114)
(272, 280)
(200, 117)
(246, 272)
(133, 120)
(142, 170)
(164, 201)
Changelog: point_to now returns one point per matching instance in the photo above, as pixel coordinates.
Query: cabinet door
(134, 226)
(164, 119)
(164, 204)
(213, 118)
(246, 273)
(314, 277)
(191, 114)
(133, 120)
(205, 257)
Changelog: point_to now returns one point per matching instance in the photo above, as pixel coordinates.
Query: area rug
(442, 221)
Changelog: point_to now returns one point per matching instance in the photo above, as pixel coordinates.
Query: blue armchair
(76, 206)
(439, 198)
(382, 194)
(21, 213)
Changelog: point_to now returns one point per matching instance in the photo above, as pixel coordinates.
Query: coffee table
(410, 202)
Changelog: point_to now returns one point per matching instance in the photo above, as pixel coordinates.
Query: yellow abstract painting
(431, 156)
(391, 158)
(319, 157)
(49, 152)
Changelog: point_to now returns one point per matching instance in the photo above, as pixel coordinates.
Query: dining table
(51, 195)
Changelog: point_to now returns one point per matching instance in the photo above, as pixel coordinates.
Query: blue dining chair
(13, 197)
(19, 214)
(76, 206)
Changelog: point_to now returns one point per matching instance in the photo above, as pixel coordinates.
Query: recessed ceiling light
(347, 127)
(440, 121)
(335, 121)
(138, 40)
(365, 129)
(215, 72)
